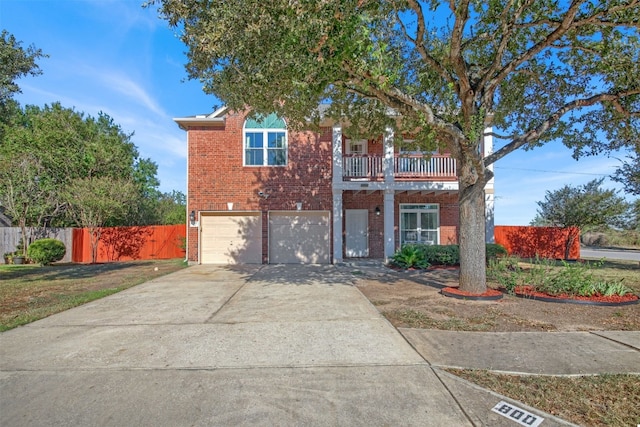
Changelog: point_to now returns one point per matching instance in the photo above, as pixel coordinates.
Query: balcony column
(489, 191)
(337, 226)
(387, 161)
(337, 153)
(389, 219)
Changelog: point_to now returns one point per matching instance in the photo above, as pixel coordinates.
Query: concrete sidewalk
(533, 353)
(229, 346)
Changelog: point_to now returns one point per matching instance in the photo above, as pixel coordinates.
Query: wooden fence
(116, 243)
(545, 242)
(131, 243)
(10, 238)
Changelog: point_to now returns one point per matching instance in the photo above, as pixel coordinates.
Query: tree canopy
(532, 71)
(46, 151)
(582, 206)
(15, 62)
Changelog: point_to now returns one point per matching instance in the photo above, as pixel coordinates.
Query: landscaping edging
(489, 295)
(574, 301)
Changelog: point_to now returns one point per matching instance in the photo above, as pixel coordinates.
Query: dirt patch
(412, 299)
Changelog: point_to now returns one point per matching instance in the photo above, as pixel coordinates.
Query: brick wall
(217, 175)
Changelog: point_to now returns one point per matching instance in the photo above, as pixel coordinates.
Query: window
(420, 224)
(265, 141)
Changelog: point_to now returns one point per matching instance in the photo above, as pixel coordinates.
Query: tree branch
(535, 133)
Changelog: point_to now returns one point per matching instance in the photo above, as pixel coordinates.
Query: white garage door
(231, 238)
(299, 238)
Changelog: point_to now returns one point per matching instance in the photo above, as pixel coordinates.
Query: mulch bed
(530, 292)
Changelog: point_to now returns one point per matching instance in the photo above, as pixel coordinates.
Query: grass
(29, 292)
(600, 400)
(417, 319)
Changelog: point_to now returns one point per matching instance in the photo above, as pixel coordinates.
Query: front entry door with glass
(420, 223)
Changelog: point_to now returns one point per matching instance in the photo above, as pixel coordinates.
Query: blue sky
(116, 57)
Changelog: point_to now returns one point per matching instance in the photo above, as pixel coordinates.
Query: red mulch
(487, 293)
(529, 291)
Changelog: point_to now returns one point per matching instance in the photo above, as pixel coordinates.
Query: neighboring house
(5, 221)
(258, 193)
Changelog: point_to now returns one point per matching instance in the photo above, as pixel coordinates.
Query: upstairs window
(265, 141)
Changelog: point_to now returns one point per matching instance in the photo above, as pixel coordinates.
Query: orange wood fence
(545, 242)
(131, 243)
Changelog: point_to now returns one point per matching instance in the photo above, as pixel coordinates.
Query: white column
(489, 191)
(337, 153)
(389, 229)
(489, 216)
(387, 162)
(337, 226)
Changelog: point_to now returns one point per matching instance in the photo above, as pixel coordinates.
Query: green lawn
(30, 292)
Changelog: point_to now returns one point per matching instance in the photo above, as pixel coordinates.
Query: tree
(629, 174)
(44, 149)
(95, 201)
(172, 208)
(533, 71)
(582, 206)
(22, 196)
(15, 62)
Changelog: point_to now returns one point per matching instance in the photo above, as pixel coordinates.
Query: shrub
(46, 251)
(506, 271)
(442, 254)
(495, 250)
(423, 256)
(410, 256)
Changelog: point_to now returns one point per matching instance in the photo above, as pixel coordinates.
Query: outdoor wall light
(377, 210)
(192, 216)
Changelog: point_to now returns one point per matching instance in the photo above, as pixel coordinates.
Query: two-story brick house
(258, 193)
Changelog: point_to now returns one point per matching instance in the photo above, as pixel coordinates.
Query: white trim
(422, 208)
(265, 145)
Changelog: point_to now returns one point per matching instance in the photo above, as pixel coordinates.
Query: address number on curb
(518, 415)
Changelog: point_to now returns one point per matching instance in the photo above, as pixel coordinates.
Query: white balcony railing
(442, 167)
(362, 167)
(369, 167)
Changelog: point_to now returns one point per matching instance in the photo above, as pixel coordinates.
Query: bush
(410, 256)
(495, 250)
(506, 271)
(46, 251)
(424, 256)
(442, 254)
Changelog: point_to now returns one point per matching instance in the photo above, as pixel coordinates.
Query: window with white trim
(420, 223)
(265, 141)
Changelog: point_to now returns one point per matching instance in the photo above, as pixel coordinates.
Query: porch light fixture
(192, 216)
(377, 210)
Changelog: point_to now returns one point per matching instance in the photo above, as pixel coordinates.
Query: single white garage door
(231, 238)
(299, 238)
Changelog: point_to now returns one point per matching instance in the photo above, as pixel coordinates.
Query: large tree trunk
(473, 271)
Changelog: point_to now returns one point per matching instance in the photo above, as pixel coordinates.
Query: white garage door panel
(301, 237)
(231, 239)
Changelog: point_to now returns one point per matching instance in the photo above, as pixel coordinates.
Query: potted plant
(8, 258)
(18, 259)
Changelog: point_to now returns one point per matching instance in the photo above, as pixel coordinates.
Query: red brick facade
(216, 177)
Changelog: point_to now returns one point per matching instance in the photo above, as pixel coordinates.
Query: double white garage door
(294, 238)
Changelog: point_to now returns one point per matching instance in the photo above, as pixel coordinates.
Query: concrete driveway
(263, 345)
(233, 346)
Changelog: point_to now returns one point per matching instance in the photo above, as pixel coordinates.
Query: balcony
(405, 167)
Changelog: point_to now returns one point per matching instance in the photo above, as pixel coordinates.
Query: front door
(357, 233)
